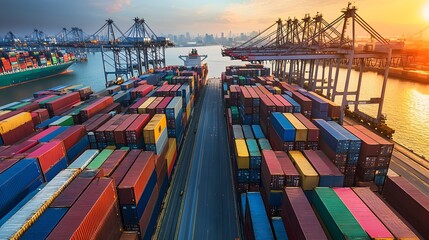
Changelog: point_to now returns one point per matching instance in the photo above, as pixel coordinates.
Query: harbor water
(406, 103)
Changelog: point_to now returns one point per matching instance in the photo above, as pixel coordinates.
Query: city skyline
(390, 18)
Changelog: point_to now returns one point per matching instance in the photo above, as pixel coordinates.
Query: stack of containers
(368, 221)
(281, 132)
(134, 132)
(75, 141)
(265, 108)
(255, 159)
(94, 215)
(171, 156)
(242, 163)
(409, 201)
(93, 124)
(312, 132)
(295, 105)
(292, 178)
(174, 114)
(245, 105)
(120, 139)
(334, 110)
(134, 108)
(63, 103)
(255, 104)
(273, 181)
(256, 223)
(329, 175)
(337, 219)
(155, 134)
(95, 107)
(383, 158)
(142, 108)
(319, 107)
(390, 219)
(298, 216)
(333, 144)
(138, 193)
(301, 132)
(15, 126)
(163, 105)
(304, 102)
(100, 135)
(352, 154)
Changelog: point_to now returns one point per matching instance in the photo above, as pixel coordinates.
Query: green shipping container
(336, 217)
(14, 107)
(252, 145)
(264, 144)
(100, 159)
(63, 121)
(234, 112)
(42, 103)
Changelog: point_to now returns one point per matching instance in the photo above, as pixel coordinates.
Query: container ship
(21, 67)
(82, 165)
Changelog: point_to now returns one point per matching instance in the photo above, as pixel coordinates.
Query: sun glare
(426, 12)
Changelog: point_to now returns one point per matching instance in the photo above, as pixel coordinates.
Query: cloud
(117, 6)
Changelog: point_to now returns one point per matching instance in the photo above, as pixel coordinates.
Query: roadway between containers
(209, 210)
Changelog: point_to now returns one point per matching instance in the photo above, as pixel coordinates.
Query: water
(406, 103)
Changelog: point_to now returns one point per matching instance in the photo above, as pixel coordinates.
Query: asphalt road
(209, 210)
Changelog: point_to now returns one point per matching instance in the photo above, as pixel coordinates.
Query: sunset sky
(389, 17)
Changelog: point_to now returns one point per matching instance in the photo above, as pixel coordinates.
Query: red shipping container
(109, 132)
(134, 182)
(162, 105)
(96, 107)
(18, 133)
(45, 97)
(63, 103)
(71, 136)
(29, 107)
(35, 118)
(386, 147)
(409, 201)
(366, 219)
(287, 106)
(272, 175)
(83, 218)
(128, 235)
(120, 172)
(114, 107)
(159, 91)
(17, 148)
(134, 108)
(279, 106)
(291, 174)
(99, 132)
(112, 162)
(111, 225)
(48, 154)
(43, 114)
(98, 122)
(390, 219)
(119, 132)
(143, 82)
(134, 133)
(72, 192)
(298, 216)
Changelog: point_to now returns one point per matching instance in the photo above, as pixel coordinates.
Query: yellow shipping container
(301, 130)
(242, 154)
(188, 111)
(4, 112)
(170, 151)
(142, 108)
(15, 121)
(309, 177)
(278, 90)
(154, 128)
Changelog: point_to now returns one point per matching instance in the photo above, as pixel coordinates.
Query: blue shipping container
(53, 134)
(46, 123)
(44, 224)
(258, 217)
(296, 106)
(282, 126)
(257, 131)
(334, 139)
(54, 170)
(355, 142)
(279, 228)
(77, 149)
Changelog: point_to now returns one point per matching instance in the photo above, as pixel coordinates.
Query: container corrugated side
(301, 130)
(389, 218)
(336, 217)
(242, 154)
(112, 162)
(329, 175)
(258, 220)
(99, 159)
(84, 159)
(124, 166)
(368, 221)
(292, 178)
(298, 216)
(44, 224)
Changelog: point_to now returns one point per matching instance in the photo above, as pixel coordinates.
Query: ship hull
(11, 79)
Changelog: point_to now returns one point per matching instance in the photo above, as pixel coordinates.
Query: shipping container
(48, 154)
(390, 219)
(257, 132)
(18, 223)
(282, 126)
(272, 175)
(308, 175)
(257, 226)
(13, 122)
(368, 221)
(242, 154)
(114, 159)
(83, 218)
(409, 201)
(44, 224)
(336, 217)
(254, 153)
(247, 131)
(329, 175)
(99, 159)
(298, 216)
(119, 132)
(120, 172)
(237, 132)
(279, 228)
(264, 144)
(154, 128)
(336, 141)
(134, 133)
(292, 178)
